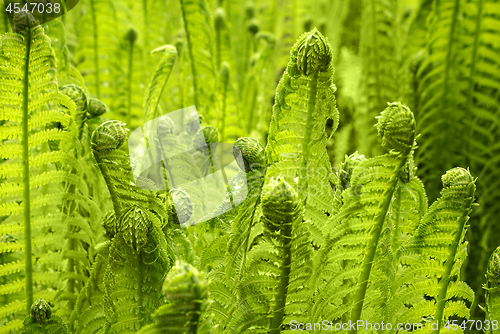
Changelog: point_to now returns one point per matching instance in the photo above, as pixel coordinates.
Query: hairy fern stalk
(186, 167)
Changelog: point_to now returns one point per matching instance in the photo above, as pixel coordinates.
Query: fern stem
(109, 183)
(72, 246)
(225, 80)
(129, 79)
(191, 57)
(26, 178)
(6, 21)
(286, 236)
(313, 88)
(372, 246)
(472, 74)
(396, 227)
(96, 49)
(449, 54)
(375, 49)
(445, 281)
(252, 107)
(63, 4)
(143, 313)
(197, 308)
(218, 47)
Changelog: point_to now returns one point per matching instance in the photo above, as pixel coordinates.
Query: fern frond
(88, 312)
(283, 257)
(431, 286)
(95, 52)
(131, 295)
(357, 232)
(198, 28)
(159, 80)
(379, 78)
(256, 90)
(304, 102)
(230, 114)
(481, 121)
(437, 110)
(186, 292)
(36, 177)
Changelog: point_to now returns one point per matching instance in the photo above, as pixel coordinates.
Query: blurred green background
(440, 58)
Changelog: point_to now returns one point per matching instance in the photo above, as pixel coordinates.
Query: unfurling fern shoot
(282, 214)
(304, 102)
(252, 153)
(186, 292)
(396, 128)
(439, 247)
(42, 321)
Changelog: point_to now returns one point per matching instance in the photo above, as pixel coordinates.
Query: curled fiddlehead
(131, 35)
(287, 239)
(192, 122)
(313, 53)
(186, 291)
(492, 288)
(96, 107)
(22, 21)
(252, 152)
(304, 103)
(442, 256)
(253, 26)
(456, 179)
(165, 126)
(184, 278)
(208, 134)
(279, 204)
(134, 226)
(219, 18)
(396, 128)
(78, 96)
(42, 321)
(183, 206)
(40, 311)
(109, 135)
(115, 166)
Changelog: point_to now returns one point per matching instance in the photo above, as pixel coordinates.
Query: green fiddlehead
(96, 107)
(42, 321)
(438, 245)
(252, 152)
(280, 208)
(181, 200)
(186, 292)
(108, 136)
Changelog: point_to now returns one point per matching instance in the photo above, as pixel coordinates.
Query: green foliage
(322, 216)
(36, 176)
